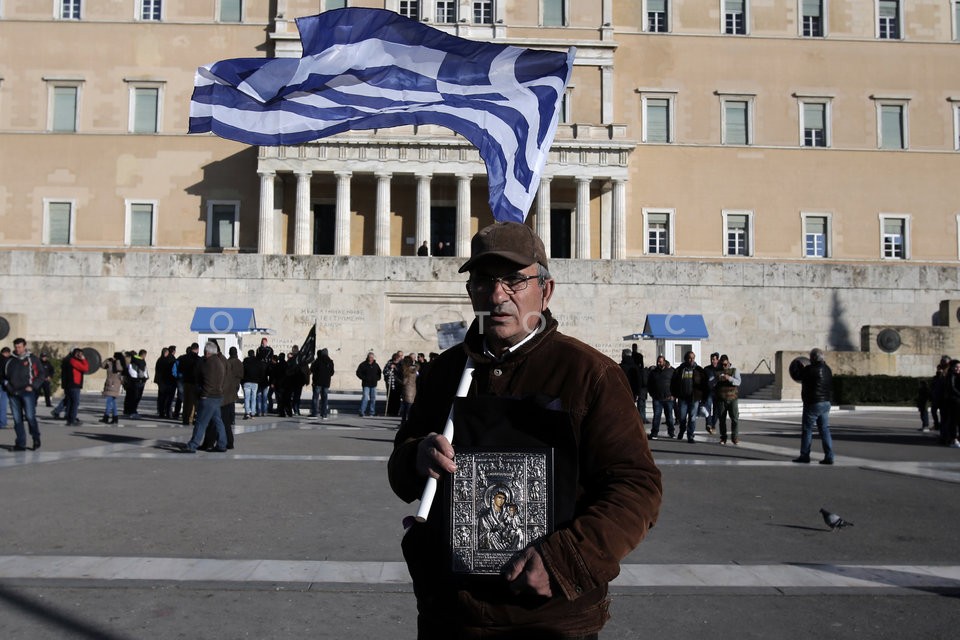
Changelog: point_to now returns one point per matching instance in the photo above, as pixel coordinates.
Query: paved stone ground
(106, 533)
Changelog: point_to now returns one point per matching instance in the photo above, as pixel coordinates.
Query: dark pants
(165, 395)
(73, 403)
(228, 415)
(44, 391)
(132, 400)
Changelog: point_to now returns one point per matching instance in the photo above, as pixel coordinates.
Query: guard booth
(674, 334)
(228, 327)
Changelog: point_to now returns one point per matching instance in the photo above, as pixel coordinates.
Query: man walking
(658, 384)
(816, 384)
(725, 400)
(211, 374)
(23, 373)
(689, 385)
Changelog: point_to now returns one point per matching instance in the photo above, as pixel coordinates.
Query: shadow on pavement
(67, 624)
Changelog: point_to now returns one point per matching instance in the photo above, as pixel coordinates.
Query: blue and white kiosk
(675, 334)
(227, 326)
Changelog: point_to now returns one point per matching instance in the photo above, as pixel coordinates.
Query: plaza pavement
(106, 532)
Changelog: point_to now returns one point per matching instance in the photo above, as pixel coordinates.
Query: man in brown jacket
(211, 375)
(556, 585)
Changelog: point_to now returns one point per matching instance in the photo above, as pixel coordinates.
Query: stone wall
(752, 308)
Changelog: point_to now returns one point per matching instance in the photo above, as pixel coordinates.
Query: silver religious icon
(500, 501)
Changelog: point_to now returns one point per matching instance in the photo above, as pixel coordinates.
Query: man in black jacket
(322, 372)
(816, 382)
(369, 373)
(658, 384)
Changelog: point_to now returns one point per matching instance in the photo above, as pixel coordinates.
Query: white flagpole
(430, 490)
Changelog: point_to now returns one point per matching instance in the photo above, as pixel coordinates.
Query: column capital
(343, 174)
(303, 173)
(383, 175)
(269, 173)
(464, 176)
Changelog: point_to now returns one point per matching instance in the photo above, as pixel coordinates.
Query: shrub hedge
(893, 390)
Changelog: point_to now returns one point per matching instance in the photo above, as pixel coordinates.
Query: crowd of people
(187, 386)
(940, 398)
(401, 376)
(680, 395)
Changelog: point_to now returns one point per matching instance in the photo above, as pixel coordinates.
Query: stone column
(462, 242)
(265, 230)
(618, 229)
(341, 244)
(543, 212)
(423, 210)
(606, 199)
(382, 235)
(582, 248)
(301, 224)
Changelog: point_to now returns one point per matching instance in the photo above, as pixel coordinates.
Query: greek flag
(374, 69)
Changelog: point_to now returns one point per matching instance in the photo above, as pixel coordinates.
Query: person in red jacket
(79, 366)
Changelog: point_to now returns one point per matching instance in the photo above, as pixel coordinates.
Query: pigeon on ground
(834, 521)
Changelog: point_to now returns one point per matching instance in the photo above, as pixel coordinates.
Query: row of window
(144, 107)
(815, 124)
(446, 11)
(152, 10)
(813, 17)
(140, 223)
(658, 120)
(735, 18)
(738, 234)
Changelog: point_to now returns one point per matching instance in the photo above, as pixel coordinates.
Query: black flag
(309, 349)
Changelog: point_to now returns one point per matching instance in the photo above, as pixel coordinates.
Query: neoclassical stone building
(705, 138)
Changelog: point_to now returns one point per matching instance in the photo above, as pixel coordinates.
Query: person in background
(369, 373)
(321, 370)
(48, 372)
(78, 367)
(407, 383)
(211, 372)
(252, 372)
(23, 373)
(659, 377)
(166, 384)
(4, 398)
(816, 387)
(112, 386)
(726, 393)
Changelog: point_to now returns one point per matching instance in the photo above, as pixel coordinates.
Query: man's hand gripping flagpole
(430, 490)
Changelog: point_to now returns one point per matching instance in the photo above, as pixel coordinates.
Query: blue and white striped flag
(374, 69)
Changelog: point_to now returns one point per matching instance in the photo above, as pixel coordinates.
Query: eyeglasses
(511, 283)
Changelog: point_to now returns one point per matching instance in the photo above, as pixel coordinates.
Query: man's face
(370, 357)
(714, 360)
(691, 358)
(263, 342)
(661, 361)
(19, 348)
(507, 317)
(724, 364)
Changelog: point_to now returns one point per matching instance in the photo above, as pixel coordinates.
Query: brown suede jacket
(618, 487)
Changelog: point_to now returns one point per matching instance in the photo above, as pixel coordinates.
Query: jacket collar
(474, 343)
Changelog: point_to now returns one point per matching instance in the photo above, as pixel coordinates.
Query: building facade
(693, 131)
